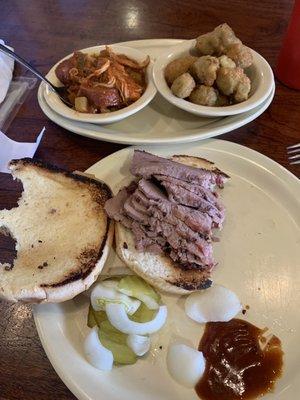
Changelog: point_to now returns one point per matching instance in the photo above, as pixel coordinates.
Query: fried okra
(204, 96)
(233, 81)
(217, 41)
(240, 54)
(216, 77)
(222, 100)
(243, 89)
(205, 69)
(183, 85)
(226, 62)
(178, 67)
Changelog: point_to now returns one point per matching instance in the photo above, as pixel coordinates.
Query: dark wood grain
(45, 31)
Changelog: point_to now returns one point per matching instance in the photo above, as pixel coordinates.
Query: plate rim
(109, 137)
(289, 180)
(225, 145)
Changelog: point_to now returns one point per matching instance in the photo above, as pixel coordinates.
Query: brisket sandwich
(166, 218)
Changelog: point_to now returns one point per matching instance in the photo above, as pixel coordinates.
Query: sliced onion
(100, 70)
(124, 60)
(215, 304)
(139, 344)
(117, 316)
(97, 355)
(185, 364)
(149, 302)
(106, 292)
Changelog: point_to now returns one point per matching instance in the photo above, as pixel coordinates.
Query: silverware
(60, 91)
(294, 154)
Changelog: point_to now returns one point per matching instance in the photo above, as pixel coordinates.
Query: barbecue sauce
(241, 363)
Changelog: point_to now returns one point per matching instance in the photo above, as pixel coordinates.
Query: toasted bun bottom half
(62, 234)
(158, 270)
(67, 291)
(70, 290)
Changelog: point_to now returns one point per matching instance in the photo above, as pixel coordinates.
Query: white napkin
(6, 72)
(9, 150)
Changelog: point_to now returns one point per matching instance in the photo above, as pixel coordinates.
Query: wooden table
(45, 31)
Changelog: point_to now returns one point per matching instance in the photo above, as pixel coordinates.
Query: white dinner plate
(159, 122)
(258, 258)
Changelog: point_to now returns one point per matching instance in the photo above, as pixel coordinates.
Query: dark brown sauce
(240, 364)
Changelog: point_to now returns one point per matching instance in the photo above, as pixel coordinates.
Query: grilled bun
(62, 234)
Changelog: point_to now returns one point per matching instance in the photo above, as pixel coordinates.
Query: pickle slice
(91, 322)
(95, 317)
(143, 314)
(121, 352)
(113, 333)
(99, 316)
(136, 287)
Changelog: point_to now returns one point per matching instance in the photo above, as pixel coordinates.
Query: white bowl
(260, 74)
(58, 106)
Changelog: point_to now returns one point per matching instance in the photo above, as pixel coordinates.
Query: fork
(294, 154)
(58, 90)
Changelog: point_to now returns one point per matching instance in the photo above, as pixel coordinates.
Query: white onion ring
(108, 291)
(139, 344)
(96, 354)
(119, 319)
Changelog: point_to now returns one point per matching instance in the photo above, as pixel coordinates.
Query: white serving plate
(159, 122)
(258, 259)
(260, 74)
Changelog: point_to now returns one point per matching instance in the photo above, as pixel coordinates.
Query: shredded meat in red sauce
(108, 81)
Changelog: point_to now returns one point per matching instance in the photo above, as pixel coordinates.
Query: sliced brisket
(146, 165)
(170, 210)
(180, 195)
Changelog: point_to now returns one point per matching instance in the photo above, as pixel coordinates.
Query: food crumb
(160, 347)
(40, 241)
(45, 264)
(247, 307)
(258, 288)
(32, 246)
